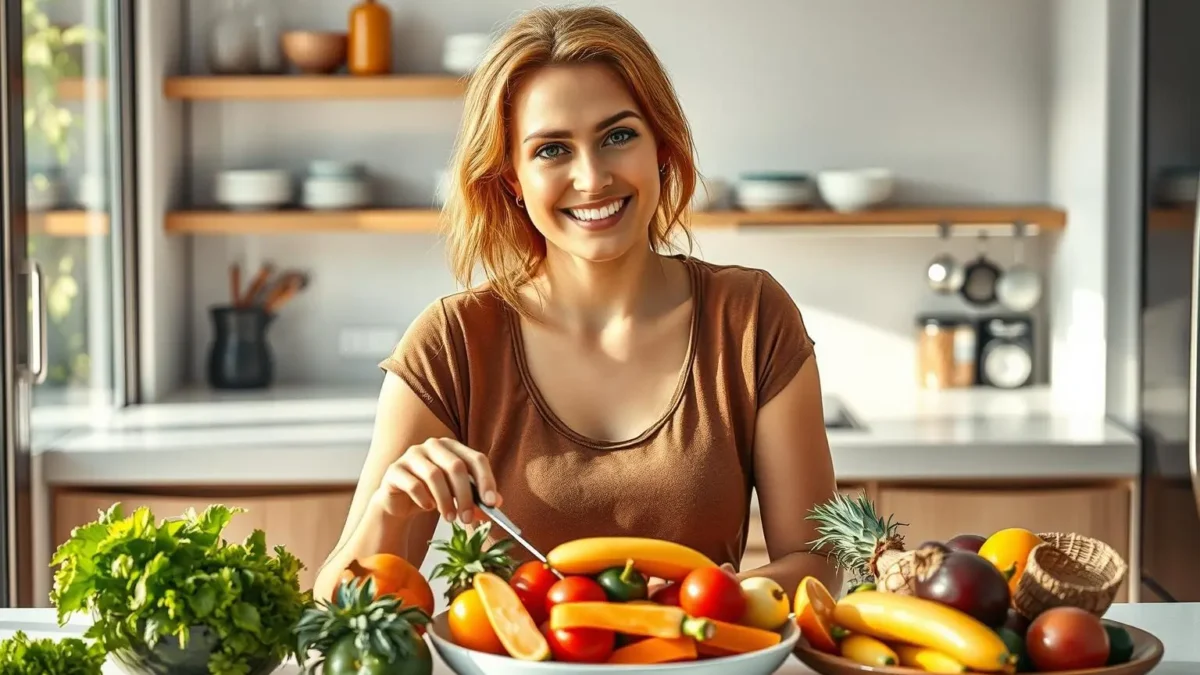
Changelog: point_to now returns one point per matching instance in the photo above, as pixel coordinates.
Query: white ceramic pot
(462, 52)
(335, 193)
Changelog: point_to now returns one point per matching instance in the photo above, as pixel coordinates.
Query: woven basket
(1069, 570)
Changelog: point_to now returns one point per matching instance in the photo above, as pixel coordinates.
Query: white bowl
(855, 189)
(334, 193)
(462, 52)
(253, 188)
(469, 662)
(756, 192)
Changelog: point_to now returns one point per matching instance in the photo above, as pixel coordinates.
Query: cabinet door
(939, 513)
(306, 524)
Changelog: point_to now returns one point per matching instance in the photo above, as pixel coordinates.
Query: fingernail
(465, 517)
(490, 497)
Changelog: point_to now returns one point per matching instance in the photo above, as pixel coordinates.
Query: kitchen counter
(297, 436)
(1173, 624)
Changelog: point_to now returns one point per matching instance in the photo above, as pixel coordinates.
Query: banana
(928, 660)
(654, 557)
(868, 651)
(904, 618)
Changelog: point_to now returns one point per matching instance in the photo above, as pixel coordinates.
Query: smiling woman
(599, 382)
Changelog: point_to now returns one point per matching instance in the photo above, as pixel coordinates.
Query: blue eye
(622, 136)
(542, 151)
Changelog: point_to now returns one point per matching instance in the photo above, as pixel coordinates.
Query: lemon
(767, 604)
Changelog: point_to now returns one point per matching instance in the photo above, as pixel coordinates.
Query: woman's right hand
(437, 474)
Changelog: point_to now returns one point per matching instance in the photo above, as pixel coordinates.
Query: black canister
(239, 356)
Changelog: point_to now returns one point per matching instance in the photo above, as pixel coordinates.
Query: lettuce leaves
(20, 655)
(143, 582)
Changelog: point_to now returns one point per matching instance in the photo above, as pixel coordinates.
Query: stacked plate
(774, 191)
(333, 185)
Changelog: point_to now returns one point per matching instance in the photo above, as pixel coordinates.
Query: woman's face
(585, 161)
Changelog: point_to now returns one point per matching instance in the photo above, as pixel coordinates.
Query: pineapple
(356, 631)
(466, 557)
(859, 540)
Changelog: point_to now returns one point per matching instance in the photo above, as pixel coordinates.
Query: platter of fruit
(1013, 601)
(605, 604)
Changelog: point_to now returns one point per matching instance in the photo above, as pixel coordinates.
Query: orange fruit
(470, 626)
(509, 618)
(1009, 550)
(814, 614)
(394, 576)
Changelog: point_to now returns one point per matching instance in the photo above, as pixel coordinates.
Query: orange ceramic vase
(370, 40)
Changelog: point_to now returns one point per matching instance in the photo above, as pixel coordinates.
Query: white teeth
(597, 214)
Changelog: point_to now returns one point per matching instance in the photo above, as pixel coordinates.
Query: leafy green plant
(20, 655)
(49, 58)
(142, 583)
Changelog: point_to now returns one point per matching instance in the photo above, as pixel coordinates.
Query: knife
(509, 526)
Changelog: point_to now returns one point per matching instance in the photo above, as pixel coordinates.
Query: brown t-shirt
(687, 478)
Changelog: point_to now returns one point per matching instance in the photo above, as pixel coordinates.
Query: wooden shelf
(298, 221)
(1172, 218)
(262, 87)
(1044, 217)
(427, 220)
(68, 223)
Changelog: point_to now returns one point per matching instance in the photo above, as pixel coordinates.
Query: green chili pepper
(623, 584)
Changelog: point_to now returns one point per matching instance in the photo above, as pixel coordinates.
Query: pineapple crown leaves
(467, 556)
(382, 626)
(852, 531)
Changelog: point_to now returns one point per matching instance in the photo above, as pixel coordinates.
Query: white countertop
(320, 435)
(1174, 624)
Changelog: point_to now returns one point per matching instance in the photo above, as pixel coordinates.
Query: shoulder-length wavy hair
(484, 226)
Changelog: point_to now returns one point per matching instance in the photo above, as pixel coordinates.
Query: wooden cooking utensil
(257, 284)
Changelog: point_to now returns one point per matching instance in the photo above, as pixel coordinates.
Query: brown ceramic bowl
(314, 52)
(1147, 652)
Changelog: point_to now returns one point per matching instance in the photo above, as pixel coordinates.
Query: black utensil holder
(240, 356)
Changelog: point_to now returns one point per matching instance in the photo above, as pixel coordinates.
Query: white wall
(951, 95)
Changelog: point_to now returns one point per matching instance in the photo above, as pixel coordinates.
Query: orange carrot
(649, 620)
(732, 638)
(656, 650)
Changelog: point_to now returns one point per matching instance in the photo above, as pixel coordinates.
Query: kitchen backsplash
(952, 96)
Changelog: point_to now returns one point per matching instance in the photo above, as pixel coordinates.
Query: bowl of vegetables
(592, 610)
(174, 597)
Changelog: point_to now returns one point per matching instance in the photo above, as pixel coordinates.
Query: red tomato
(580, 645)
(1067, 638)
(712, 593)
(667, 595)
(532, 581)
(575, 589)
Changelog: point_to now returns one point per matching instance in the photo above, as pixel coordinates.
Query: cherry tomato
(574, 589)
(580, 645)
(532, 581)
(1067, 638)
(666, 595)
(712, 593)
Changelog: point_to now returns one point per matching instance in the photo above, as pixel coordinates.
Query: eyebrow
(557, 133)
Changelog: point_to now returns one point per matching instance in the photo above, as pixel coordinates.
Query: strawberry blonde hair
(485, 228)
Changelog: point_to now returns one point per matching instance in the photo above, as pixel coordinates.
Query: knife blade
(510, 527)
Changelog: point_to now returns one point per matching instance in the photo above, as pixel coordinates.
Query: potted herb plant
(175, 597)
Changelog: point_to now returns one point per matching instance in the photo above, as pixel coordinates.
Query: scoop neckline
(685, 375)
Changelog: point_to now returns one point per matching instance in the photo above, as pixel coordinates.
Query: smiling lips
(602, 217)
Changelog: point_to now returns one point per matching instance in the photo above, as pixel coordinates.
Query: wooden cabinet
(938, 512)
(307, 523)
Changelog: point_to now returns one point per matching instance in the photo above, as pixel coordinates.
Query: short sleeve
(427, 358)
(782, 340)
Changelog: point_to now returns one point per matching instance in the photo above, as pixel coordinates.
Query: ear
(509, 177)
(662, 155)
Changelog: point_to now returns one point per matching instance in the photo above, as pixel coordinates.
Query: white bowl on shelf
(469, 662)
(851, 190)
(772, 191)
(333, 193)
(462, 52)
(253, 189)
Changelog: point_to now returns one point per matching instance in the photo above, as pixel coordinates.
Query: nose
(590, 174)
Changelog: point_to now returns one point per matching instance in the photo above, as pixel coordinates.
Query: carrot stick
(656, 650)
(731, 638)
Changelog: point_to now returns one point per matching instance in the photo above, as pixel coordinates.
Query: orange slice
(511, 621)
(814, 614)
